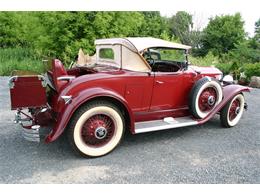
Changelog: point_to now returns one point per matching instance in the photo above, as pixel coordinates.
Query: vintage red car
(134, 84)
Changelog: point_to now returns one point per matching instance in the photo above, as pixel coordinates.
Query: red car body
(141, 96)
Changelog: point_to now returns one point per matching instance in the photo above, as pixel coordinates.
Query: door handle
(159, 82)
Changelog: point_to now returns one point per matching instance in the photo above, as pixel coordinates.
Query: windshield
(166, 59)
(166, 54)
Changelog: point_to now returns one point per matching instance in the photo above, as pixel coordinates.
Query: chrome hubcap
(100, 132)
(211, 100)
(237, 110)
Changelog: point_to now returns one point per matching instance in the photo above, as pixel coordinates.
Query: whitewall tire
(96, 129)
(232, 112)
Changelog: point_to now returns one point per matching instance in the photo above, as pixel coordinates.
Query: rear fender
(81, 98)
(229, 92)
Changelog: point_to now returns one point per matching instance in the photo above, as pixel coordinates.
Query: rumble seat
(58, 70)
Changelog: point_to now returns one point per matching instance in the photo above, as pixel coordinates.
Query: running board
(166, 123)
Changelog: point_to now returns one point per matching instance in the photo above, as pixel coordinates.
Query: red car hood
(206, 70)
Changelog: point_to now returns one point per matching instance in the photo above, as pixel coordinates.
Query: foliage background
(28, 37)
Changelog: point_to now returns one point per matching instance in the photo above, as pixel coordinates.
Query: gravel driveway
(199, 154)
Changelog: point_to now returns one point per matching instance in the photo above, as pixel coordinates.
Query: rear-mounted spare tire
(205, 95)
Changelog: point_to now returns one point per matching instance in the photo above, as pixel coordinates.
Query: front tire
(232, 111)
(96, 129)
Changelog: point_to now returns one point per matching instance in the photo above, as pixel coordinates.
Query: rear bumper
(31, 131)
(32, 134)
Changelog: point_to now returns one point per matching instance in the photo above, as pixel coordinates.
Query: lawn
(19, 59)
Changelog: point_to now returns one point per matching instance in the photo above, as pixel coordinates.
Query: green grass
(19, 59)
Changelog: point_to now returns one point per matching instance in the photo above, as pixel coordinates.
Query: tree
(247, 51)
(18, 29)
(153, 25)
(222, 34)
(181, 25)
(257, 30)
(255, 41)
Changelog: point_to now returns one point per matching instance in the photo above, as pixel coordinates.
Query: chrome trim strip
(48, 81)
(11, 81)
(42, 78)
(69, 78)
(66, 98)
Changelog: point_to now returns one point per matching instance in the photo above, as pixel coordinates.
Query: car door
(168, 91)
(138, 90)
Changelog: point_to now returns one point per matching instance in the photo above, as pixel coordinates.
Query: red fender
(229, 92)
(82, 97)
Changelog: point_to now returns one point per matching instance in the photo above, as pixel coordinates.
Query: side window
(106, 53)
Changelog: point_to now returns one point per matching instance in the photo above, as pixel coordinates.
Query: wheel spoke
(233, 109)
(98, 130)
(207, 95)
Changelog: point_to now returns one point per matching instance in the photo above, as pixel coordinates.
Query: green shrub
(224, 67)
(208, 60)
(252, 70)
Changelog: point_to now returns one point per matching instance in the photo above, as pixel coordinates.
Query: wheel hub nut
(237, 110)
(100, 132)
(211, 100)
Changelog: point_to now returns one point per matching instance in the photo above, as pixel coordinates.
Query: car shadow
(34, 162)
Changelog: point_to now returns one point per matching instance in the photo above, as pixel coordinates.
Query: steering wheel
(150, 61)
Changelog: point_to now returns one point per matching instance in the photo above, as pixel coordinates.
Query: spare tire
(204, 96)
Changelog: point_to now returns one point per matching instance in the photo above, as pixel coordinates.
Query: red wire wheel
(98, 130)
(232, 111)
(205, 95)
(207, 99)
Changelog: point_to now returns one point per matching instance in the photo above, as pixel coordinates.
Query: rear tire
(232, 111)
(96, 129)
(205, 95)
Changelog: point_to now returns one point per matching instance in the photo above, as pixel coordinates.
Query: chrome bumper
(32, 134)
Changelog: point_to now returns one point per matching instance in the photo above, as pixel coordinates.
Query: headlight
(228, 79)
(219, 77)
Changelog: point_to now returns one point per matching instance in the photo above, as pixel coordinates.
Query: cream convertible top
(138, 44)
(127, 51)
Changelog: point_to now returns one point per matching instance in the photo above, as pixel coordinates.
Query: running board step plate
(166, 123)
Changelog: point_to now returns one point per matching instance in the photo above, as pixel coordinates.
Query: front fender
(82, 97)
(229, 92)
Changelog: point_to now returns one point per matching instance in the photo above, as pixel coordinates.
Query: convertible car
(133, 84)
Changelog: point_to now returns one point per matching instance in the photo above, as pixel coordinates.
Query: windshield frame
(185, 53)
(157, 50)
